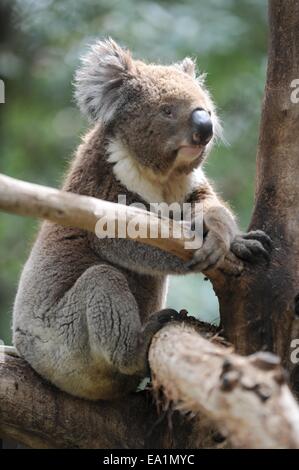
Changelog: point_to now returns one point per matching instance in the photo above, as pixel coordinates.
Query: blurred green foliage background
(40, 44)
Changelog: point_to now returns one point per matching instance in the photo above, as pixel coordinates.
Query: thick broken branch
(247, 397)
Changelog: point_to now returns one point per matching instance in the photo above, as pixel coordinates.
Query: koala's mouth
(190, 152)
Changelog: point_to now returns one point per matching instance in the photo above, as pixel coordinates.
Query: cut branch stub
(247, 397)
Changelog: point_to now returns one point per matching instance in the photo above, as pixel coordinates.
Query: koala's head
(162, 115)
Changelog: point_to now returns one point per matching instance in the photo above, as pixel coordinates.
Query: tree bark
(36, 414)
(258, 308)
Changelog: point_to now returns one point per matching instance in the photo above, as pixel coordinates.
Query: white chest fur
(152, 187)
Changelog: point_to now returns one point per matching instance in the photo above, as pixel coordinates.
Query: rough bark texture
(38, 415)
(258, 308)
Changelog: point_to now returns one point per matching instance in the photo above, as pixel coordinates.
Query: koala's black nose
(202, 127)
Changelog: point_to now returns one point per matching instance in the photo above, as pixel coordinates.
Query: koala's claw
(261, 237)
(159, 319)
(252, 246)
(165, 316)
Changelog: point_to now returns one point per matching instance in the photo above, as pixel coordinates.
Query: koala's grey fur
(83, 314)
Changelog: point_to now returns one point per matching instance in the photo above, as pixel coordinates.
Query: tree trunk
(258, 307)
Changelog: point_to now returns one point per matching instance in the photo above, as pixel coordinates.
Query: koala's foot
(159, 319)
(153, 325)
(252, 246)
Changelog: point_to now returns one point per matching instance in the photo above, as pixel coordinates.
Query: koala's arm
(221, 232)
(133, 255)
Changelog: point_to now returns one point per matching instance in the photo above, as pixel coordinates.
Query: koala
(87, 308)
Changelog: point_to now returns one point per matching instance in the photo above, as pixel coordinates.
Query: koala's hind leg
(113, 321)
(102, 303)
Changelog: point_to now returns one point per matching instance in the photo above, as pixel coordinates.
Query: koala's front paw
(212, 253)
(252, 246)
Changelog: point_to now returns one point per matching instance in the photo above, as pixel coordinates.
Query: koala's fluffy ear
(99, 79)
(188, 66)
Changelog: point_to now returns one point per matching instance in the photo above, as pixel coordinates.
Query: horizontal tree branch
(69, 209)
(28, 199)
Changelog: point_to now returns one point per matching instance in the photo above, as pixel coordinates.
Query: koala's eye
(167, 111)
